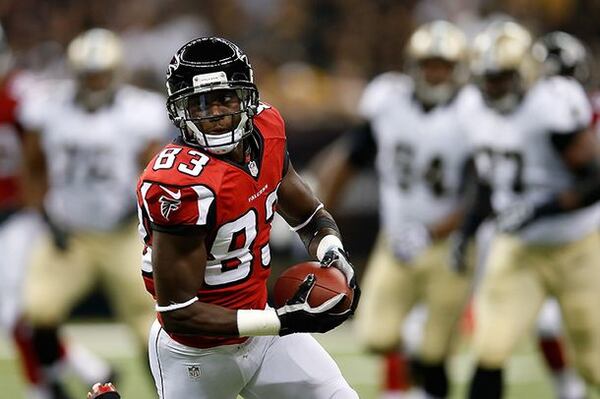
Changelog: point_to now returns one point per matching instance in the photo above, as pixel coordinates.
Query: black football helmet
(563, 54)
(204, 69)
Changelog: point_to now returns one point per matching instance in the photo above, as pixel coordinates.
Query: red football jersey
(184, 187)
(10, 148)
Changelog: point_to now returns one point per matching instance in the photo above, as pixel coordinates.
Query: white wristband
(175, 306)
(257, 322)
(307, 221)
(326, 243)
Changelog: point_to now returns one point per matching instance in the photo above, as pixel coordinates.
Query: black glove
(338, 258)
(60, 237)
(298, 316)
(458, 252)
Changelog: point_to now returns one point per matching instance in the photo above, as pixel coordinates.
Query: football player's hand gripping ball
(298, 316)
(338, 258)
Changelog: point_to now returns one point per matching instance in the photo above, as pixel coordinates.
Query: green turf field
(526, 376)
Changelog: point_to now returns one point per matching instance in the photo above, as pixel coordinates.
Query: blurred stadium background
(312, 59)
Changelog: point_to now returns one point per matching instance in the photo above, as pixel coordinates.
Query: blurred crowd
(312, 58)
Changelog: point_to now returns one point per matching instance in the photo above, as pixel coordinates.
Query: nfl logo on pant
(194, 372)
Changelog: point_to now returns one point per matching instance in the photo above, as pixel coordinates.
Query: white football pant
(272, 367)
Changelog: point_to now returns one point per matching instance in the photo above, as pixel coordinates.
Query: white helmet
(96, 51)
(504, 48)
(437, 40)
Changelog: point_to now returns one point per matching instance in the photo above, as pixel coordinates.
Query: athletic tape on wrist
(253, 322)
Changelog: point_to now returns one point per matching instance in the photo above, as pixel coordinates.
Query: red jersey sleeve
(177, 209)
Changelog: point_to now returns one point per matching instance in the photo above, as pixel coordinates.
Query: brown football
(329, 282)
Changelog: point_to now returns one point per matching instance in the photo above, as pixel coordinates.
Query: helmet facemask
(216, 119)
(96, 88)
(502, 91)
(436, 81)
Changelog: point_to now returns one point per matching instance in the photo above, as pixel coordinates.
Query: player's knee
(377, 338)
(41, 315)
(380, 343)
(432, 354)
(491, 356)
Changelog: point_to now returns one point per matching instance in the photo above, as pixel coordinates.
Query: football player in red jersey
(206, 203)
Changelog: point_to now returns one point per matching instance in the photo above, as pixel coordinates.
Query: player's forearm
(321, 225)
(211, 320)
(584, 192)
(34, 189)
(201, 319)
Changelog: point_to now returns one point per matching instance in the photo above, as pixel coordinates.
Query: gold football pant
(518, 279)
(59, 280)
(391, 289)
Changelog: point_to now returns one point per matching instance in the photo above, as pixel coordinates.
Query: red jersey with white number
(10, 148)
(184, 189)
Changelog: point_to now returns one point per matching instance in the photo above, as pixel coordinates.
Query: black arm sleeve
(587, 180)
(321, 222)
(586, 190)
(362, 146)
(562, 141)
(478, 194)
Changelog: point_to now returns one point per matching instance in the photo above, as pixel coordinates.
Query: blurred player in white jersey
(421, 157)
(86, 141)
(561, 54)
(19, 230)
(537, 165)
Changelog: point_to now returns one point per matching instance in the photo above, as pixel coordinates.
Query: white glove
(515, 217)
(338, 258)
(410, 241)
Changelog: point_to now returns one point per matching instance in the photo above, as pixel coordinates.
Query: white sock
(86, 365)
(568, 384)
